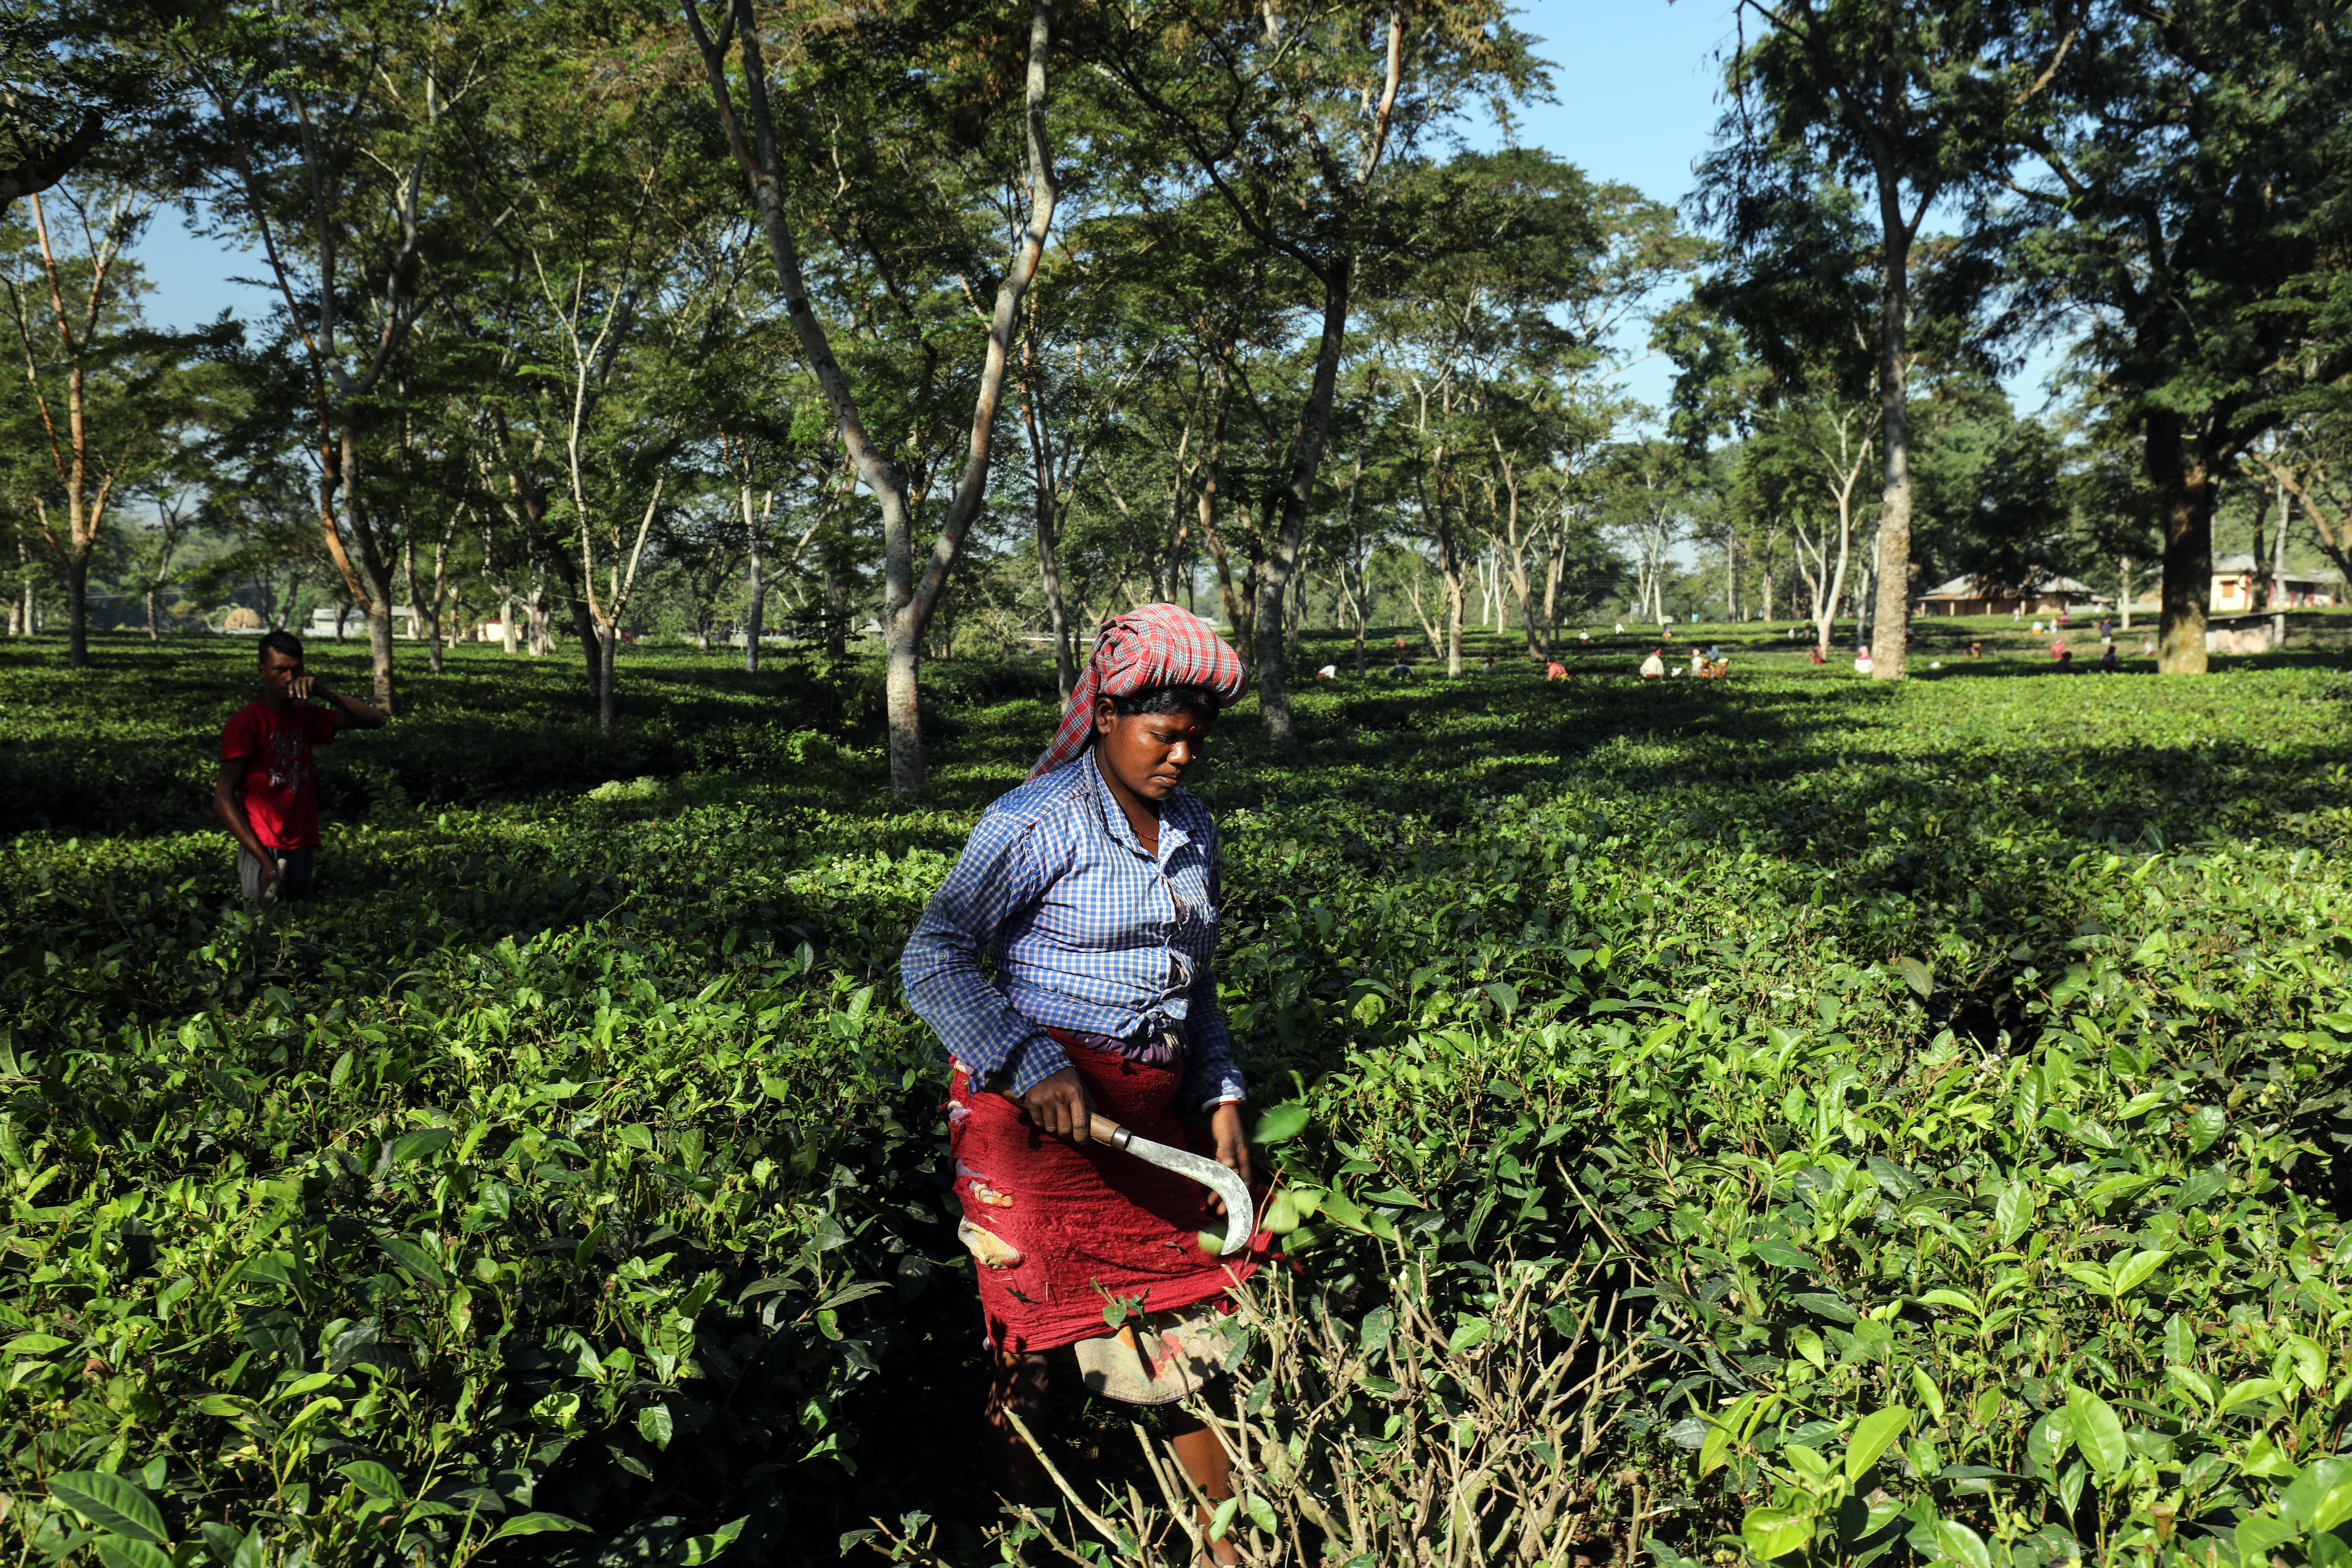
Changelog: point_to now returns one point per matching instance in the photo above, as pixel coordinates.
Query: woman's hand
(1233, 1147)
(1059, 1105)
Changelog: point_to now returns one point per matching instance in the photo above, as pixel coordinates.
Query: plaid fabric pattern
(1151, 645)
(1087, 931)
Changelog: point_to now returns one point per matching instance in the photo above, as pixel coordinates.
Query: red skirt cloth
(1064, 1227)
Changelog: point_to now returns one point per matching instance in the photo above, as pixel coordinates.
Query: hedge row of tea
(1904, 1122)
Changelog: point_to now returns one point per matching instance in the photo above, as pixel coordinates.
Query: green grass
(573, 1161)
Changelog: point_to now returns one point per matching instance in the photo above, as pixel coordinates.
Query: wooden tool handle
(1105, 1131)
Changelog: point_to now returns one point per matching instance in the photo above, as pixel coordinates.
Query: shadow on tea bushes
(533, 1247)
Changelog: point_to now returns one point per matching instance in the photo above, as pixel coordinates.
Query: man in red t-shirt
(268, 795)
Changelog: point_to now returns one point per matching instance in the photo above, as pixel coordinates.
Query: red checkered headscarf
(1151, 645)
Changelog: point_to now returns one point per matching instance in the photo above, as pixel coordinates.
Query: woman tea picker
(1092, 889)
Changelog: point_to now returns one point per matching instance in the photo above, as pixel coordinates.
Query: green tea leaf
(1771, 1532)
(2309, 1362)
(376, 1480)
(111, 1503)
(701, 1549)
(1781, 1254)
(418, 1262)
(2135, 1270)
(1929, 1394)
(1916, 975)
(1280, 1122)
(2250, 1388)
(124, 1552)
(1873, 1436)
(534, 1524)
(1825, 1305)
(422, 1144)
(2205, 1124)
(2013, 1212)
(2331, 1479)
(1957, 1542)
(2097, 1433)
(2033, 1096)
(654, 1425)
(2195, 1383)
(2047, 1442)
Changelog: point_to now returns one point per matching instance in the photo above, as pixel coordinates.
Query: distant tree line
(952, 327)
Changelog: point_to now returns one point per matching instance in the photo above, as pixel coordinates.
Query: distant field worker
(1092, 891)
(1555, 670)
(2061, 654)
(268, 792)
(1654, 666)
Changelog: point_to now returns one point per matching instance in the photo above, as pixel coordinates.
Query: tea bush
(1789, 1117)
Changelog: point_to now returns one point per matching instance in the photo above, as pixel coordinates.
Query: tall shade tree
(357, 147)
(1917, 102)
(1287, 111)
(730, 30)
(79, 74)
(2189, 197)
(71, 302)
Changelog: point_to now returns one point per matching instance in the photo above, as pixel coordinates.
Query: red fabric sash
(1080, 1224)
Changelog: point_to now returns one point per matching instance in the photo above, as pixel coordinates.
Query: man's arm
(228, 805)
(351, 713)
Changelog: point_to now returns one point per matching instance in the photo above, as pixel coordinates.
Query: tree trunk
(2185, 491)
(408, 575)
(907, 602)
(77, 610)
(379, 626)
(154, 634)
(433, 611)
(1449, 559)
(2278, 571)
(1049, 573)
(836, 609)
(1891, 615)
(608, 639)
(1314, 425)
(583, 626)
(2123, 586)
(755, 620)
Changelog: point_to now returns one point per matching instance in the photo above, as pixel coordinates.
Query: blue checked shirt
(1088, 932)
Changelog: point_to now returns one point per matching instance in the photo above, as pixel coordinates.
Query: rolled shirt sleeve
(996, 880)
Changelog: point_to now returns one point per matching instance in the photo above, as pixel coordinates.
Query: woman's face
(1147, 754)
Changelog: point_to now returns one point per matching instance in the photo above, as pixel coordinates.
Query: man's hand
(1059, 1105)
(1232, 1148)
(269, 875)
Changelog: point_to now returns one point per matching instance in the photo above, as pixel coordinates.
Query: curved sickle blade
(1240, 1213)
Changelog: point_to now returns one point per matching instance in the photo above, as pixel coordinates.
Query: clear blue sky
(1635, 84)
